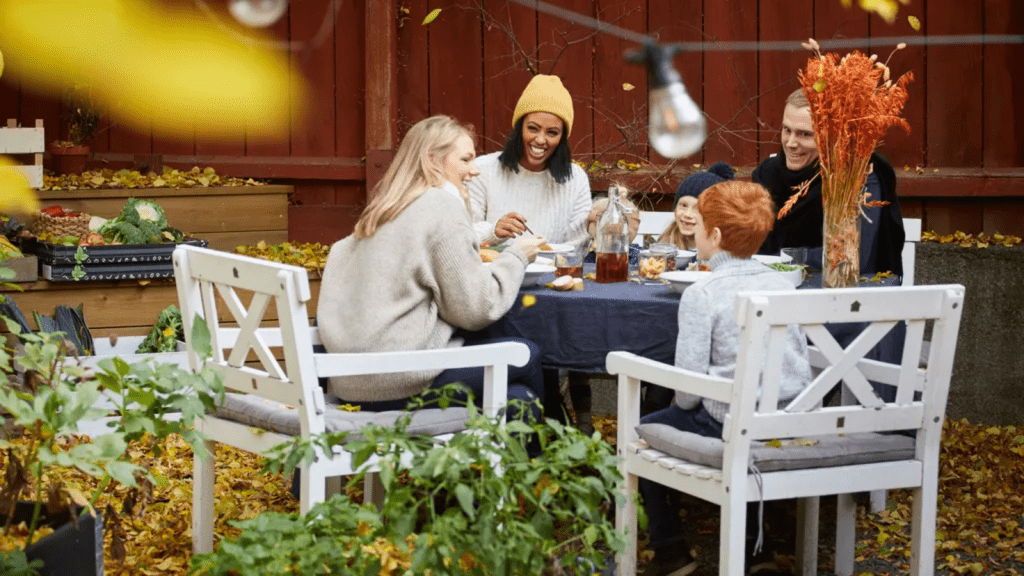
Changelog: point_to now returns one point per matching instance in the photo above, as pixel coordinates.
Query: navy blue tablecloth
(575, 330)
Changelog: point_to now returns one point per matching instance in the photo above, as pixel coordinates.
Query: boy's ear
(716, 237)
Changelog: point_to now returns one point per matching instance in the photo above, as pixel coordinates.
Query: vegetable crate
(60, 263)
(14, 140)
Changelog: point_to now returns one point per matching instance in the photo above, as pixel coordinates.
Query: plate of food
(680, 279)
(534, 272)
(552, 249)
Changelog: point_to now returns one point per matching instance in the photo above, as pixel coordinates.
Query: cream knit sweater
(558, 212)
(408, 287)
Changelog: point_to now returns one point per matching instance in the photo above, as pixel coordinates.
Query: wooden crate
(14, 140)
(121, 308)
(226, 216)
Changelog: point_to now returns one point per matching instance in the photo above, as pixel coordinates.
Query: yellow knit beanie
(545, 94)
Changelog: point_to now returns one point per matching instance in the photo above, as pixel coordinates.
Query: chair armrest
(354, 364)
(712, 387)
(271, 335)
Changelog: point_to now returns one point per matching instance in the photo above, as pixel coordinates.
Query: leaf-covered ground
(980, 522)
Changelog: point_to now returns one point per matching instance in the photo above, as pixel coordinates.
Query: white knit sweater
(408, 287)
(558, 212)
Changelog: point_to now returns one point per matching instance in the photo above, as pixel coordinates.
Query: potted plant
(82, 121)
(477, 504)
(40, 442)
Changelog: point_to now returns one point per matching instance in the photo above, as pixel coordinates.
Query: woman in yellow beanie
(533, 181)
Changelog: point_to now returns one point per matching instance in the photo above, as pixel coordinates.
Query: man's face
(798, 137)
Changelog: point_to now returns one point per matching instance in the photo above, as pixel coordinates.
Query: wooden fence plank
(313, 135)
(619, 115)
(949, 215)
(456, 86)
(679, 21)
(413, 67)
(1003, 215)
(1003, 86)
(350, 78)
(777, 70)
(955, 95)
(277, 144)
(323, 224)
(509, 62)
(899, 147)
(730, 85)
(567, 50)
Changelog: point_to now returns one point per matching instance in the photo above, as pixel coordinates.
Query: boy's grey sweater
(709, 338)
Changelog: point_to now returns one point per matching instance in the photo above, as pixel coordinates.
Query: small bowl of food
(766, 259)
(791, 272)
(680, 279)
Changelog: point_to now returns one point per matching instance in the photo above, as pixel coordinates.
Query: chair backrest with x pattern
(206, 278)
(879, 309)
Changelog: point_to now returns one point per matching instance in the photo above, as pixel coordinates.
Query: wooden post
(381, 87)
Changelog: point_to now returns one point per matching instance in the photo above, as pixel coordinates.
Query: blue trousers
(663, 522)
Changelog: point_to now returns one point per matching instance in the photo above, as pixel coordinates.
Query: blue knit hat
(701, 181)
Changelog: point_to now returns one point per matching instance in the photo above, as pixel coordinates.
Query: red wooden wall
(961, 167)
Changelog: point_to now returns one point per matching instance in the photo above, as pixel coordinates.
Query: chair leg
(807, 514)
(878, 500)
(732, 549)
(203, 500)
(846, 525)
(313, 489)
(922, 533)
(373, 490)
(626, 521)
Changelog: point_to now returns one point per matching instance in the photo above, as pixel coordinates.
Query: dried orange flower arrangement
(853, 103)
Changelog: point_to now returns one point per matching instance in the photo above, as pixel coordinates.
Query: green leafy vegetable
(165, 334)
(784, 267)
(140, 222)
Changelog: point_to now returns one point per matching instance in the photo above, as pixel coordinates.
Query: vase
(69, 159)
(840, 255)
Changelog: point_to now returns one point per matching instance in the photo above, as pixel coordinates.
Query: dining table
(575, 330)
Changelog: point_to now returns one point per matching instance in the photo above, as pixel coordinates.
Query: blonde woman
(410, 276)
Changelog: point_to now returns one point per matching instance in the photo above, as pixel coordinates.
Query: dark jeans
(660, 502)
(525, 383)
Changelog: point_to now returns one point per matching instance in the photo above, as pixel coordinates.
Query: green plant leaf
(201, 337)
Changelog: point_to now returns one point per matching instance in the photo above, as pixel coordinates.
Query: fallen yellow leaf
(627, 86)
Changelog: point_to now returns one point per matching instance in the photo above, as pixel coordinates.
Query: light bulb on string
(258, 13)
(676, 127)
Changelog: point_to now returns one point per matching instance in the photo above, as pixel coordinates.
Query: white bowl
(784, 259)
(680, 279)
(682, 253)
(534, 272)
(794, 276)
(556, 249)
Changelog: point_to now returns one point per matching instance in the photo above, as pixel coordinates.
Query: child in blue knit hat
(680, 232)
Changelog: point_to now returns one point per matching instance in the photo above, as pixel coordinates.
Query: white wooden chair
(281, 400)
(839, 450)
(912, 235)
(653, 223)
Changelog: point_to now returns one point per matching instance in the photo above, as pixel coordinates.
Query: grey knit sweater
(408, 287)
(709, 338)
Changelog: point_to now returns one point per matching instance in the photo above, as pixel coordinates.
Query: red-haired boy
(732, 221)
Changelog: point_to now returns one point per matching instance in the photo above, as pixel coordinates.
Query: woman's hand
(510, 225)
(529, 245)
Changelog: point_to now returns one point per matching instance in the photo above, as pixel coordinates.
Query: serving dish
(680, 279)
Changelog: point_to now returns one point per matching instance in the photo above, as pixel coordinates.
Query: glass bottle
(613, 241)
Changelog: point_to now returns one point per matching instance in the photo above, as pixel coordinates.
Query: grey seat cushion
(794, 454)
(258, 412)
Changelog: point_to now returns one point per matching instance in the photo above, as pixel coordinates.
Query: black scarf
(802, 225)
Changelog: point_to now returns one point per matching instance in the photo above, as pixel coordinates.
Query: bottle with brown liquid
(613, 241)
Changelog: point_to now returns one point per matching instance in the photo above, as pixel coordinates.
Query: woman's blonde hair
(416, 167)
(673, 235)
